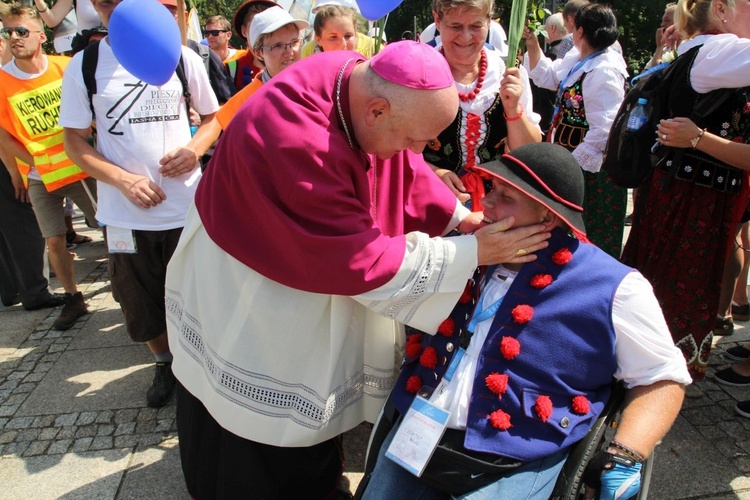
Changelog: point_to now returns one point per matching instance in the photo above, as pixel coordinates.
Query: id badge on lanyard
(422, 428)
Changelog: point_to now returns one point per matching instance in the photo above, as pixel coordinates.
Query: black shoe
(54, 300)
(161, 388)
(741, 313)
(12, 301)
(629, 220)
(743, 408)
(727, 376)
(724, 327)
(73, 309)
(737, 353)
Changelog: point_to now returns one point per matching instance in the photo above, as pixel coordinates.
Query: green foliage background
(637, 19)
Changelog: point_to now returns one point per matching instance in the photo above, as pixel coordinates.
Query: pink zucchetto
(413, 65)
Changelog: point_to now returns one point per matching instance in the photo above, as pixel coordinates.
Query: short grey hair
(555, 20)
(442, 7)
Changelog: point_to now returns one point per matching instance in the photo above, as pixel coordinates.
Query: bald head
(389, 118)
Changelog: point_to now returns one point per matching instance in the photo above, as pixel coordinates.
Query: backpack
(629, 154)
(88, 68)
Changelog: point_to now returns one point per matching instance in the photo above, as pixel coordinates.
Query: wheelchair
(569, 484)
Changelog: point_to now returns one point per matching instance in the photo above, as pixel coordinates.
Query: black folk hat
(547, 173)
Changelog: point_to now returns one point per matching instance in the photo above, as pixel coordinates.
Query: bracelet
(514, 118)
(694, 141)
(620, 459)
(42, 11)
(627, 451)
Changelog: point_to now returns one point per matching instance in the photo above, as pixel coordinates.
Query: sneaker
(727, 376)
(73, 309)
(724, 326)
(738, 353)
(54, 300)
(163, 385)
(743, 408)
(741, 313)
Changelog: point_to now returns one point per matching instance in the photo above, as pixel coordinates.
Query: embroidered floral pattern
(572, 108)
(738, 127)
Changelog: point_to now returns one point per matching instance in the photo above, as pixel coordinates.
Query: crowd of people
(306, 231)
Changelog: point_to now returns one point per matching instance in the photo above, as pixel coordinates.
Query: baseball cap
(270, 20)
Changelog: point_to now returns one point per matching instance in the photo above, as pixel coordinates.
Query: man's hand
(142, 191)
(613, 481)
(453, 181)
(178, 162)
(498, 244)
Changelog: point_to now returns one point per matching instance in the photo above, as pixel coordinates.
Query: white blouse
(722, 62)
(603, 91)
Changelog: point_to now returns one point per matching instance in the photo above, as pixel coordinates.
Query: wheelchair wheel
(569, 484)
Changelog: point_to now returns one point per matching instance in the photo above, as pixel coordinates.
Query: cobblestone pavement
(74, 423)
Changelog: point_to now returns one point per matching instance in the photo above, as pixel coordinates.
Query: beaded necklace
(465, 97)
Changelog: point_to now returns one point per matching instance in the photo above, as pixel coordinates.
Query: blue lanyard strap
(484, 314)
(656, 68)
(579, 65)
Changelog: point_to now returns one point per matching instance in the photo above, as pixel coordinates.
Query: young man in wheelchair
(524, 365)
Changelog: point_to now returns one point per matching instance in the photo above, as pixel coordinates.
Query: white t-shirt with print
(137, 124)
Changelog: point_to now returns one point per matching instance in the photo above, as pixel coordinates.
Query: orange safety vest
(29, 110)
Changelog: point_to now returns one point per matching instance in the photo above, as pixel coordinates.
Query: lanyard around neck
(579, 65)
(564, 82)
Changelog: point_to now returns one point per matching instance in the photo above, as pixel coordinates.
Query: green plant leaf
(516, 26)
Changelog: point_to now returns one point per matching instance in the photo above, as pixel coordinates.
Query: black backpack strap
(88, 68)
(180, 72)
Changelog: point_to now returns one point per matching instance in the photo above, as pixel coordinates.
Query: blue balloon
(146, 40)
(375, 9)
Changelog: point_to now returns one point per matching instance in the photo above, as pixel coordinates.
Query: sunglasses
(214, 32)
(21, 32)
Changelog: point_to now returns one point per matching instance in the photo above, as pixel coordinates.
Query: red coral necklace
(465, 97)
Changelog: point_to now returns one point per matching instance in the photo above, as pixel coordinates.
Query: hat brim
(520, 177)
(298, 23)
(239, 14)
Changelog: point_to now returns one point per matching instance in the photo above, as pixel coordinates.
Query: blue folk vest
(554, 340)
